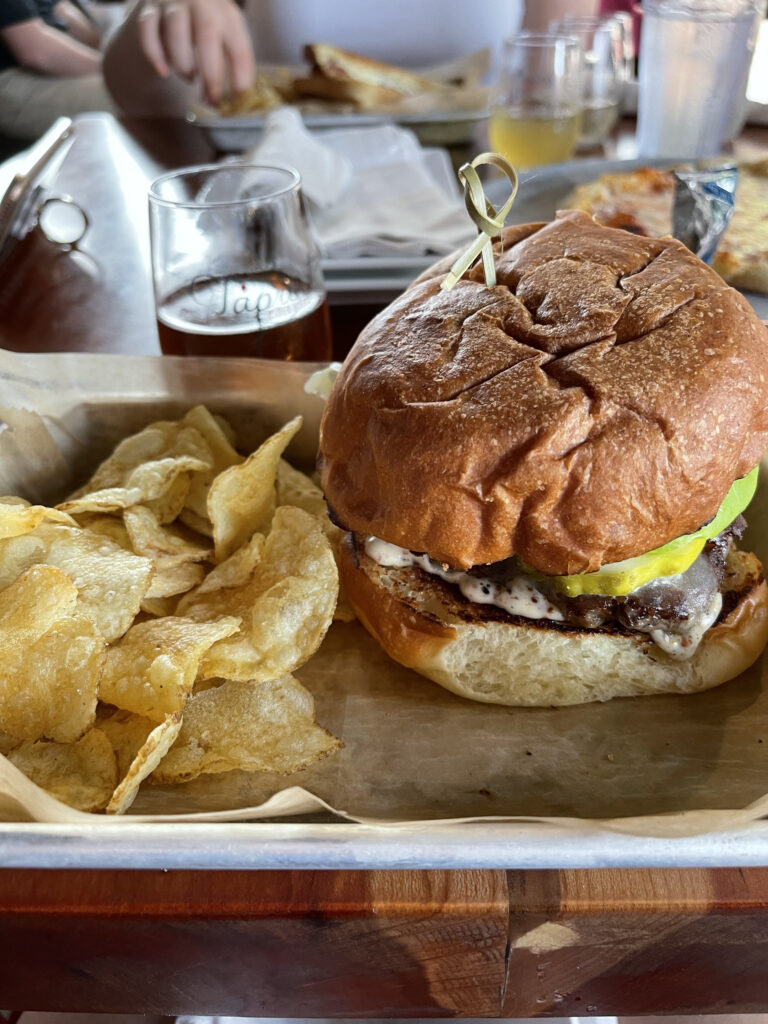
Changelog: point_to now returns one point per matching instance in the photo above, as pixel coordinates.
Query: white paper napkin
(372, 191)
(324, 173)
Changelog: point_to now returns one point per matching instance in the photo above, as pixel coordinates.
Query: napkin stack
(371, 191)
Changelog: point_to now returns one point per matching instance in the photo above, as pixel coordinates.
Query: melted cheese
(519, 594)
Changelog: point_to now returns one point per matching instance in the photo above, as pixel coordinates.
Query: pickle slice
(618, 578)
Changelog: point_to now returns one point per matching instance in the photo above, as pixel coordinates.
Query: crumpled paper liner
(665, 766)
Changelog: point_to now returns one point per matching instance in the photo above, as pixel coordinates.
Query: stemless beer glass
(235, 268)
(537, 103)
(602, 74)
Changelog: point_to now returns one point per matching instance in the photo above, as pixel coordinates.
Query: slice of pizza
(742, 256)
(641, 201)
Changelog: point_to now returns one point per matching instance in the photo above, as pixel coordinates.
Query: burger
(543, 481)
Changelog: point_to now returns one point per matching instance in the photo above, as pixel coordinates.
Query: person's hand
(205, 40)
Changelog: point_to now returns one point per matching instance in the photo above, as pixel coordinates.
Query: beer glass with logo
(235, 268)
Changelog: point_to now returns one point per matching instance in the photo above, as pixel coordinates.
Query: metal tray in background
(544, 190)
(441, 128)
(541, 194)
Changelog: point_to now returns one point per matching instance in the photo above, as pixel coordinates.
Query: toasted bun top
(596, 403)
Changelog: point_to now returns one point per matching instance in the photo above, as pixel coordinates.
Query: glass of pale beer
(536, 106)
(236, 270)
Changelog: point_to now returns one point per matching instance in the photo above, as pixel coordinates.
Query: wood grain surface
(587, 943)
(414, 943)
(386, 943)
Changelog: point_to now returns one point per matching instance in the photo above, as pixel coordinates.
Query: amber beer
(269, 315)
(235, 267)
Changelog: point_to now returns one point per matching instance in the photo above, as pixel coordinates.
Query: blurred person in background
(414, 34)
(167, 53)
(539, 14)
(50, 64)
(54, 61)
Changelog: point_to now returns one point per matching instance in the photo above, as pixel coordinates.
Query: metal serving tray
(631, 783)
(441, 128)
(264, 845)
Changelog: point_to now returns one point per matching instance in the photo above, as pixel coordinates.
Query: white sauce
(519, 595)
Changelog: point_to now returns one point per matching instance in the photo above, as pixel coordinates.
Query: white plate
(441, 128)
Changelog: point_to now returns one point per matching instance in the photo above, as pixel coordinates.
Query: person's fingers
(239, 56)
(148, 26)
(195, 38)
(176, 35)
(209, 48)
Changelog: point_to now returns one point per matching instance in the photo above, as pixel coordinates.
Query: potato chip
(127, 733)
(148, 537)
(235, 572)
(112, 499)
(262, 727)
(145, 761)
(51, 660)
(286, 604)
(162, 485)
(167, 505)
(17, 519)
(241, 500)
(106, 525)
(200, 524)
(221, 422)
(133, 569)
(81, 774)
(296, 488)
(151, 671)
(214, 430)
(158, 441)
(158, 462)
(160, 607)
(110, 581)
(153, 478)
(170, 579)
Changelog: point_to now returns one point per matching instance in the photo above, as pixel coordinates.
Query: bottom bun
(485, 654)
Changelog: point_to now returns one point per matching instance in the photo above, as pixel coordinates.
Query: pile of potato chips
(149, 624)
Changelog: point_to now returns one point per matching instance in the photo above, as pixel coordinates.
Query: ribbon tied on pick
(488, 219)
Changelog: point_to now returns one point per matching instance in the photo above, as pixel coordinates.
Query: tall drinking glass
(694, 63)
(235, 268)
(536, 105)
(602, 74)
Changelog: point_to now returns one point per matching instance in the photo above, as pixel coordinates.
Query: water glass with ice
(694, 63)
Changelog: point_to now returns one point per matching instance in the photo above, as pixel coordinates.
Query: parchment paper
(662, 766)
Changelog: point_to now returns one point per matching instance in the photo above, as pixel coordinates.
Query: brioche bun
(486, 655)
(598, 402)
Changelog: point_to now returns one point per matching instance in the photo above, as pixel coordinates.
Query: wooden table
(330, 943)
